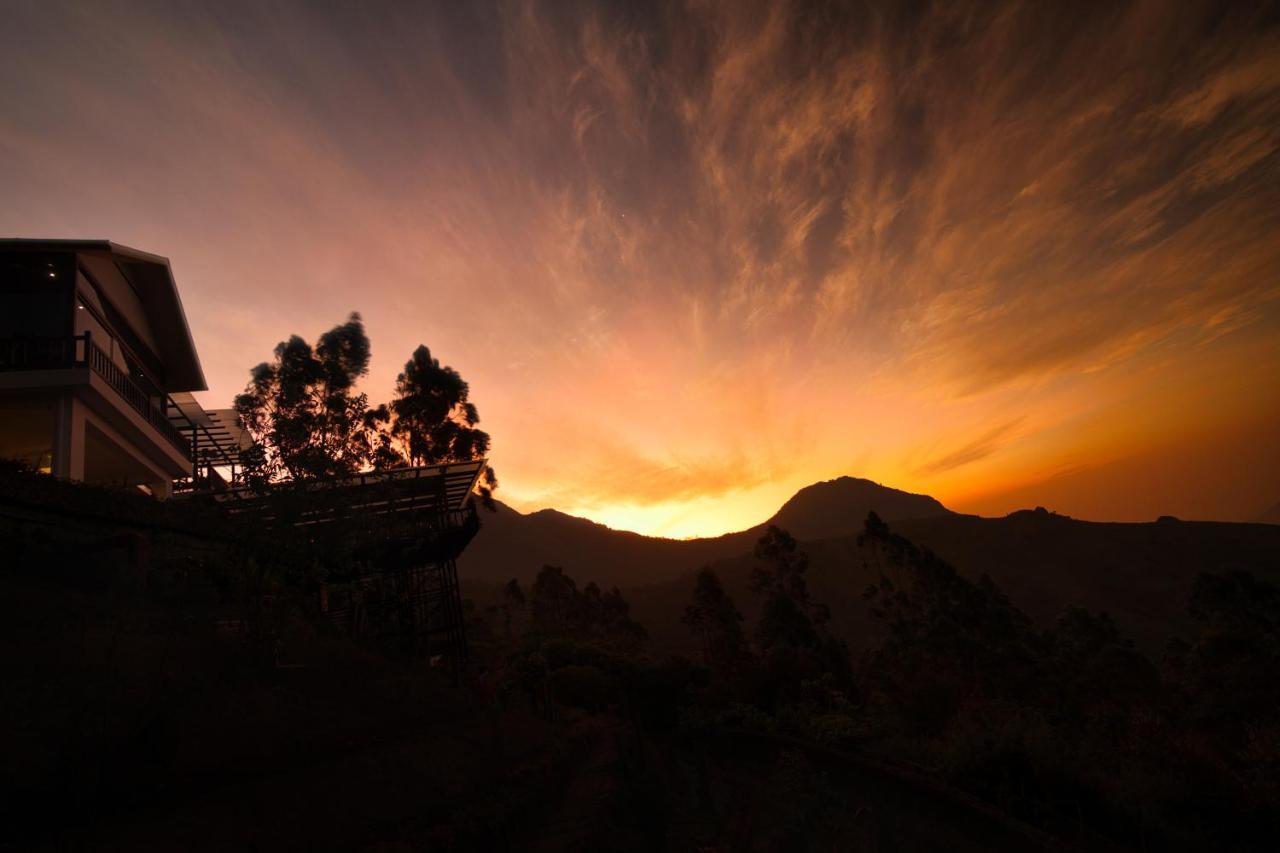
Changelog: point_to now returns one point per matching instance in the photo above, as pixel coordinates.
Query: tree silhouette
(307, 421)
(558, 609)
(512, 602)
(716, 621)
(302, 411)
(789, 617)
(551, 601)
(942, 626)
(433, 419)
(1230, 667)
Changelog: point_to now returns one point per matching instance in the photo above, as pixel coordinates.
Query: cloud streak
(972, 451)
(741, 242)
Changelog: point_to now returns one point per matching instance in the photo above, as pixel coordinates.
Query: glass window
(35, 295)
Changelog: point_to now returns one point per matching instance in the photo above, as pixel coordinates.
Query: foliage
(716, 621)
(433, 419)
(302, 410)
(1229, 670)
(559, 609)
(1067, 727)
(513, 603)
(792, 634)
(308, 422)
(789, 617)
(940, 622)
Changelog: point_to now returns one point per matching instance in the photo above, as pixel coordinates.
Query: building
(97, 370)
(97, 365)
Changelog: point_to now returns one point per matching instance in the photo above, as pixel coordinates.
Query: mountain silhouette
(1140, 573)
(840, 506)
(513, 544)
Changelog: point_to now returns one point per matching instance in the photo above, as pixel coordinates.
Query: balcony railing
(80, 351)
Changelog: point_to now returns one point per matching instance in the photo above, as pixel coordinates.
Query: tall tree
(557, 608)
(552, 600)
(308, 422)
(433, 419)
(716, 621)
(942, 625)
(302, 411)
(512, 603)
(788, 617)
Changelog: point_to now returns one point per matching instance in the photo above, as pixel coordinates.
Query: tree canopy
(716, 620)
(302, 411)
(308, 421)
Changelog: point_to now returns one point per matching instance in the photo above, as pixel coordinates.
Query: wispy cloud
(971, 451)
(773, 227)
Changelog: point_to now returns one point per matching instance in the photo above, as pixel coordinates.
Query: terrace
(79, 352)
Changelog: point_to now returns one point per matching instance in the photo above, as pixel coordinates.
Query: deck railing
(80, 351)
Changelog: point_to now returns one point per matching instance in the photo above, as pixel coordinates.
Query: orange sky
(696, 256)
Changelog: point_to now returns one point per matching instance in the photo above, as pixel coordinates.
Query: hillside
(1139, 573)
(512, 544)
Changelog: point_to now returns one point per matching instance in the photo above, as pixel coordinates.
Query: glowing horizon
(694, 258)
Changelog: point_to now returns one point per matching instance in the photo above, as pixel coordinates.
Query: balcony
(79, 351)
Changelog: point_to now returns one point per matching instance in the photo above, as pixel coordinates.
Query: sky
(693, 256)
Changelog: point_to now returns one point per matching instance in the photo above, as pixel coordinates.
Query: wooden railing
(81, 351)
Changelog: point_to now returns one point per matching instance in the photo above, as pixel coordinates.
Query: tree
(605, 616)
(559, 609)
(788, 617)
(512, 601)
(551, 601)
(943, 626)
(308, 422)
(1230, 666)
(434, 420)
(302, 411)
(1096, 671)
(780, 566)
(716, 621)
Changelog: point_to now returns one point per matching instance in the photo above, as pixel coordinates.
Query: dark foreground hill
(169, 690)
(178, 689)
(511, 544)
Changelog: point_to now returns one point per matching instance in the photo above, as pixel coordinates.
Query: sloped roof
(152, 276)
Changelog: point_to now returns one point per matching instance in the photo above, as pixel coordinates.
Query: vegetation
(178, 669)
(307, 420)
(1066, 730)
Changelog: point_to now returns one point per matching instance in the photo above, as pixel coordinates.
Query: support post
(68, 439)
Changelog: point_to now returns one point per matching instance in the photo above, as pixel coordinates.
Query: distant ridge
(513, 544)
(1140, 573)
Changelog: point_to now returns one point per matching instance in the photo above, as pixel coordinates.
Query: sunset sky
(694, 256)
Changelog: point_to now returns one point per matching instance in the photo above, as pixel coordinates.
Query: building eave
(182, 361)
